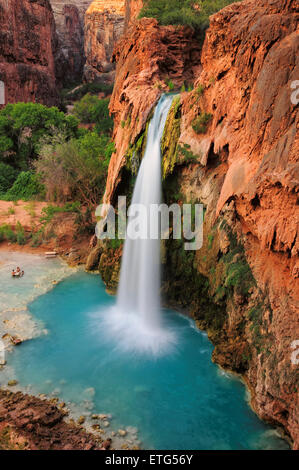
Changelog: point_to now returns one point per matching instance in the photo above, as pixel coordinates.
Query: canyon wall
(104, 25)
(148, 58)
(132, 9)
(69, 56)
(230, 143)
(27, 42)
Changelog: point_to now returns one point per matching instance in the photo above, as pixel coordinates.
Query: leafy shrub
(50, 211)
(7, 233)
(170, 85)
(76, 93)
(37, 239)
(90, 109)
(239, 275)
(199, 124)
(7, 177)
(200, 89)
(26, 186)
(188, 156)
(20, 234)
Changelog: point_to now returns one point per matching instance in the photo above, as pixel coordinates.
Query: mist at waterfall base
(136, 320)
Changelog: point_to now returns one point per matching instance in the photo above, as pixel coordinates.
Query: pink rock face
(69, 53)
(27, 37)
(104, 26)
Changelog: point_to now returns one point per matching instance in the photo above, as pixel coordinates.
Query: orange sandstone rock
(147, 57)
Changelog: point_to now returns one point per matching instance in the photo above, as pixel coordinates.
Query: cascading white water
(139, 286)
(137, 317)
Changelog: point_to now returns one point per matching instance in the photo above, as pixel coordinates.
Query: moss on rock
(170, 138)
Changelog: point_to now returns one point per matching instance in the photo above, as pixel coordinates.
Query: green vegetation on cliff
(171, 136)
(135, 152)
(194, 13)
(174, 153)
(199, 124)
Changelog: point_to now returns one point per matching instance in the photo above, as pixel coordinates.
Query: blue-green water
(178, 401)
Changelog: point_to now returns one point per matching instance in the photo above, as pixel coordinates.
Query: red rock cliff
(133, 8)
(27, 41)
(240, 127)
(69, 56)
(104, 25)
(147, 57)
(250, 59)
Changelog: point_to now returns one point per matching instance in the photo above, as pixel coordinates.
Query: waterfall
(140, 272)
(137, 317)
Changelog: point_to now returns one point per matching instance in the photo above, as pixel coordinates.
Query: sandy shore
(6, 247)
(41, 275)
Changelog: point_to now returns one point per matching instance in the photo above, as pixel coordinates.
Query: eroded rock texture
(27, 42)
(231, 144)
(29, 423)
(148, 57)
(133, 8)
(104, 25)
(69, 56)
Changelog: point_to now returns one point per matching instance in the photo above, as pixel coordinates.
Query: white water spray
(137, 318)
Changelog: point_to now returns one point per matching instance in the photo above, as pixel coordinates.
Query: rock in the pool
(81, 420)
(12, 383)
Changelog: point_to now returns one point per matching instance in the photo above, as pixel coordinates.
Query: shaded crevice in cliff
(104, 26)
(69, 47)
(27, 45)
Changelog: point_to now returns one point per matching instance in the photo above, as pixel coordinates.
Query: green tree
(27, 186)
(91, 109)
(75, 169)
(7, 177)
(22, 125)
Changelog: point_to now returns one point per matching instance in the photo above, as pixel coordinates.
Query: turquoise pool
(179, 400)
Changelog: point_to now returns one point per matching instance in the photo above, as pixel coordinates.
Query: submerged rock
(12, 383)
